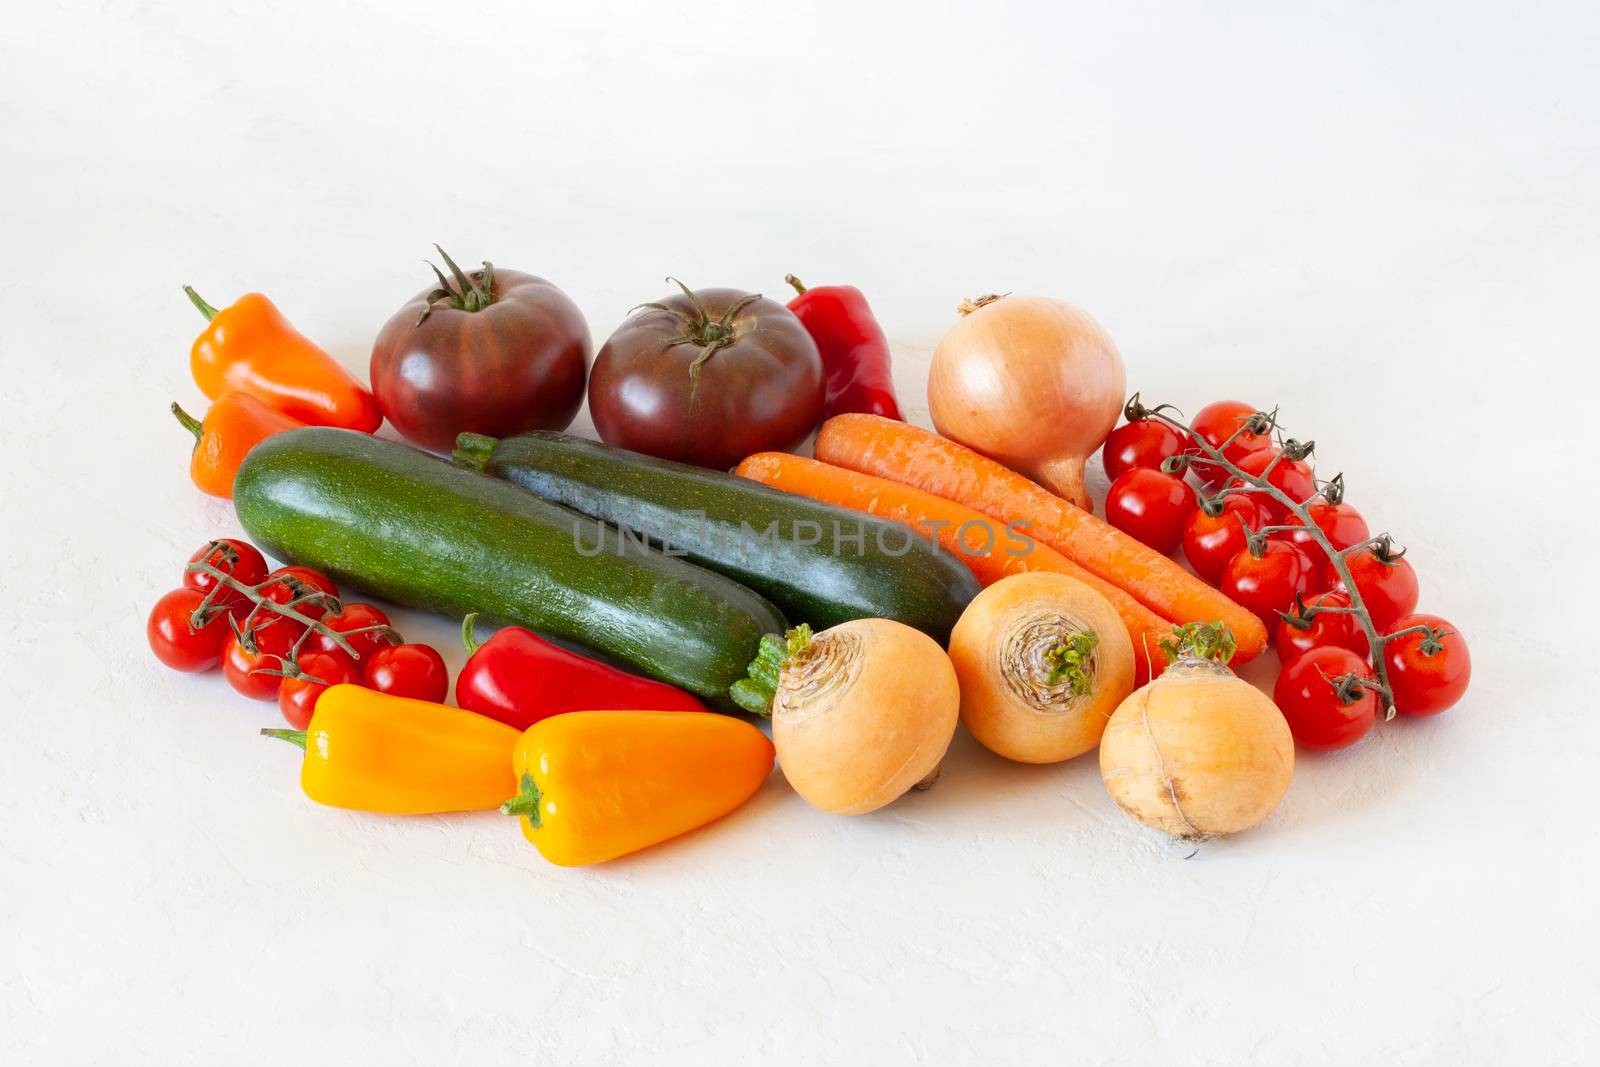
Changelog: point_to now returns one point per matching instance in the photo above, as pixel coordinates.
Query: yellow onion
(1030, 381)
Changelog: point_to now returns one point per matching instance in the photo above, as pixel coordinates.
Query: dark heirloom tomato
(496, 352)
(707, 377)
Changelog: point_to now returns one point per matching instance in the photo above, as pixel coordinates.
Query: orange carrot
(989, 553)
(921, 458)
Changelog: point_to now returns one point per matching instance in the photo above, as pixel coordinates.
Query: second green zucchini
(819, 564)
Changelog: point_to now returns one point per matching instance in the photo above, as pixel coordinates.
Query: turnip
(861, 712)
(1198, 752)
(1043, 660)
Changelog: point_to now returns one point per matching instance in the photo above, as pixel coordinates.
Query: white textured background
(1385, 217)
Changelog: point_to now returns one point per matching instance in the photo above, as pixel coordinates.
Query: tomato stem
(260, 601)
(1263, 422)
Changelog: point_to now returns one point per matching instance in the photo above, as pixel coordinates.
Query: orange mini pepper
(250, 346)
(371, 751)
(595, 785)
(236, 423)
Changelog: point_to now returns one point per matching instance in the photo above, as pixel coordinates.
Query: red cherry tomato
(1323, 630)
(415, 671)
(1210, 541)
(237, 559)
(355, 617)
(1292, 476)
(1426, 676)
(1150, 506)
(246, 670)
(1269, 583)
(297, 696)
(1214, 424)
(174, 643)
(1141, 443)
(1340, 523)
(1323, 708)
(290, 583)
(1387, 584)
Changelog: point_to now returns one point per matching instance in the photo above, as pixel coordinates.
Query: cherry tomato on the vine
(237, 559)
(1150, 506)
(350, 617)
(1323, 708)
(1426, 676)
(247, 671)
(1210, 541)
(1387, 584)
(178, 646)
(1340, 523)
(1325, 629)
(1268, 583)
(297, 696)
(415, 671)
(1141, 443)
(1293, 477)
(290, 583)
(1217, 422)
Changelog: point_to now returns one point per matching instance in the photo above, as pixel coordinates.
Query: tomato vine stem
(1242, 481)
(259, 600)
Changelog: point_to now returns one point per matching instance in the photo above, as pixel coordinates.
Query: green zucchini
(419, 531)
(858, 567)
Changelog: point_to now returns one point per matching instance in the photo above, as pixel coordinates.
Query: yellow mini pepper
(595, 785)
(374, 752)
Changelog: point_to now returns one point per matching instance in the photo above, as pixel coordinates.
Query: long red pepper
(855, 353)
(519, 678)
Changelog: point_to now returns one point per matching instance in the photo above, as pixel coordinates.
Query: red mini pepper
(519, 678)
(855, 353)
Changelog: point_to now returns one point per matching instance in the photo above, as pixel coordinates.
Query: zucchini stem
(473, 450)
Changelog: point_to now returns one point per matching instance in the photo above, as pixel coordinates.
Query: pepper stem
(755, 692)
(799, 286)
(468, 637)
(194, 298)
(473, 450)
(190, 423)
(294, 737)
(526, 802)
